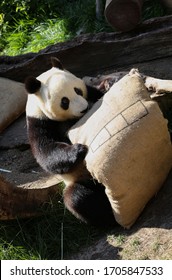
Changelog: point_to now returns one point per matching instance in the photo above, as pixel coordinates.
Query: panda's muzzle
(84, 111)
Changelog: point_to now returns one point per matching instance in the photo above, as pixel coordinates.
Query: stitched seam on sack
(141, 114)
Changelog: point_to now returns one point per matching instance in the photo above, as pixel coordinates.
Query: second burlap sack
(12, 101)
(129, 146)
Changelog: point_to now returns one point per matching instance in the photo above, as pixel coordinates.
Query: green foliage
(17, 36)
(152, 8)
(30, 36)
(30, 25)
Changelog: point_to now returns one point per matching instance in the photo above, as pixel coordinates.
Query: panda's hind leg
(87, 201)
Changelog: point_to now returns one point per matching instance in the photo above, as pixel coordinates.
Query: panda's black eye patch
(65, 103)
(78, 91)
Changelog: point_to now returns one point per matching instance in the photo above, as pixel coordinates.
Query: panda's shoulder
(47, 126)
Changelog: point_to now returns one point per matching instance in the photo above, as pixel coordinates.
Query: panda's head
(56, 94)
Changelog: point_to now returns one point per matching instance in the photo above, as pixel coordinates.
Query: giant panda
(56, 100)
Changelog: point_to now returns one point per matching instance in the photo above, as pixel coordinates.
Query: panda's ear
(56, 63)
(32, 85)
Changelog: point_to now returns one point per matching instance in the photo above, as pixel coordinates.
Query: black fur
(32, 85)
(52, 148)
(88, 201)
(93, 94)
(56, 63)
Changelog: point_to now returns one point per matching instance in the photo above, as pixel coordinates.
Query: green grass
(56, 234)
(152, 8)
(30, 28)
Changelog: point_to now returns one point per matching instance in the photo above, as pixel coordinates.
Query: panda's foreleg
(51, 148)
(87, 201)
(63, 158)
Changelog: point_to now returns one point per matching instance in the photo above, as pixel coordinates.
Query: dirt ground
(15, 156)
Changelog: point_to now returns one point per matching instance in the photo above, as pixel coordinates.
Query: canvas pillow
(129, 146)
(13, 101)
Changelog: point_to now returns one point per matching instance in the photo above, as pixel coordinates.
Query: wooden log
(147, 47)
(123, 15)
(25, 201)
(167, 4)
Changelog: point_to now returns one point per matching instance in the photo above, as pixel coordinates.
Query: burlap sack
(129, 146)
(12, 101)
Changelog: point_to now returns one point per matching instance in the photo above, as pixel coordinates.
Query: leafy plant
(152, 8)
(30, 25)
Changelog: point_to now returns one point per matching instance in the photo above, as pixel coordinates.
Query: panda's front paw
(80, 151)
(65, 159)
(75, 155)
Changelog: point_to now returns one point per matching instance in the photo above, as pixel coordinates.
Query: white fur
(56, 84)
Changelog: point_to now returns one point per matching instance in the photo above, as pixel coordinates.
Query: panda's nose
(84, 111)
